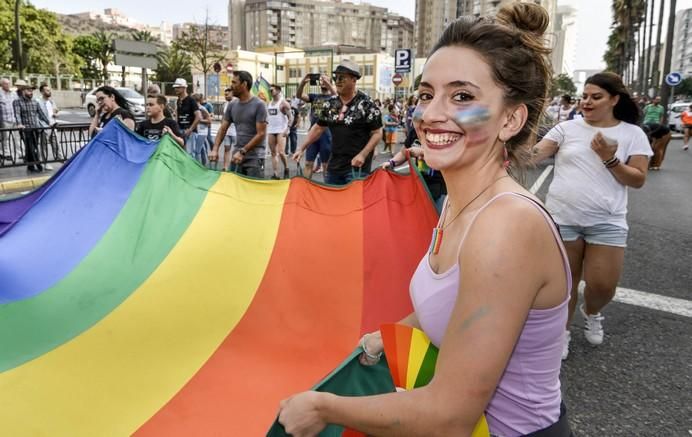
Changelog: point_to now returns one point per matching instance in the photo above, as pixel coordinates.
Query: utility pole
(18, 39)
(647, 63)
(655, 73)
(665, 90)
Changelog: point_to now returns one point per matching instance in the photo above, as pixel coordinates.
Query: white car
(136, 100)
(676, 109)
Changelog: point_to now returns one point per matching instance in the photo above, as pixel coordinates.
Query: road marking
(673, 305)
(541, 179)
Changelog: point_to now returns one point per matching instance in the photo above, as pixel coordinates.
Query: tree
(203, 51)
(45, 47)
(622, 47)
(87, 48)
(104, 52)
(685, 87)
(173, 62)
(562, 84)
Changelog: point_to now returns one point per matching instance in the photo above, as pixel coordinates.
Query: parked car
(676, 109)
(136, 101)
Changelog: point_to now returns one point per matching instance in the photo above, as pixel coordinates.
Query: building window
(294, 73)
(367, 70)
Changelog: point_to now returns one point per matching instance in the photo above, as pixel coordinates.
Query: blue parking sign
(673, 79)
(402, 60)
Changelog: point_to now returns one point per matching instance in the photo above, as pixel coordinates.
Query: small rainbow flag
(262, 89)
(412, 358)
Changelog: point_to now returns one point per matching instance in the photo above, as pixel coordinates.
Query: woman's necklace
(438, 231)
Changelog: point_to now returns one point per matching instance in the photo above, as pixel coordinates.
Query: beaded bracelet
(365, 350)
(392, 164)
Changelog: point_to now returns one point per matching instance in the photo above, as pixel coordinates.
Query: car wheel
(91, 109)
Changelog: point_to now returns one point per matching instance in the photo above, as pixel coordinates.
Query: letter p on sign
(402, 61)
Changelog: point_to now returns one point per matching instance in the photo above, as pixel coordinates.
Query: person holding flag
(249, 114)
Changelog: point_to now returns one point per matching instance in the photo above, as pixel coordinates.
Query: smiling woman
(492, 292)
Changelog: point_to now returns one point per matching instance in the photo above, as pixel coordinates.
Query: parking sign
(402, 60)
(674, 78)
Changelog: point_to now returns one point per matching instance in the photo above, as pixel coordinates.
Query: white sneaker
(685, 147)
(565, 345)
(593, 329)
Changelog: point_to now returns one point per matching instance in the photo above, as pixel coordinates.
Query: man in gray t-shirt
(249, 114)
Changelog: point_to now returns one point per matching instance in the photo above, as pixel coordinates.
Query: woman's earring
(506, 162)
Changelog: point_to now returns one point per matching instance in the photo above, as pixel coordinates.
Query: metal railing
(41, 145)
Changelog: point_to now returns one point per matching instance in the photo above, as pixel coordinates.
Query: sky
(593, 17)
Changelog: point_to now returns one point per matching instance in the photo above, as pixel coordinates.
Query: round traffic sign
(229, 67)
(397, 79)
(673, 79)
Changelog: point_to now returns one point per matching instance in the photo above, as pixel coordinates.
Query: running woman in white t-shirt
(278, 121)
(596, 159)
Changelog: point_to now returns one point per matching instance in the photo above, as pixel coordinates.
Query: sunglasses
(339, 77)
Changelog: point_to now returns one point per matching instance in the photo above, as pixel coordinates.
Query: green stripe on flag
(162, 205)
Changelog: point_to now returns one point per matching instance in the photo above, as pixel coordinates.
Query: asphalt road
(639, 382)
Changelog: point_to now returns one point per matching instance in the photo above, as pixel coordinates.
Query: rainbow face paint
(417, 115)
(472, 116)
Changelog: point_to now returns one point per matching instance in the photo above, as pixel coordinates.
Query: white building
(565, 37)
(682, 43)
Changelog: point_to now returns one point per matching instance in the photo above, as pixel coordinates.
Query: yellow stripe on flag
(116, 375)
(419, 346)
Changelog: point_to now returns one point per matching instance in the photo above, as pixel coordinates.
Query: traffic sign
(229, 67)
(217, 67)
(673, 79)
(402, 60)
(397, 79)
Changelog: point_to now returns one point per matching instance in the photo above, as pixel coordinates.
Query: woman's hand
(604, 148)
(372, 344)
(300, 414)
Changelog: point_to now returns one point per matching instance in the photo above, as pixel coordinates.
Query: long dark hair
(112, 92)
(512, 44)
(625, 109)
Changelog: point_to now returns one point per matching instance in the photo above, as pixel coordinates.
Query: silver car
(136, 100)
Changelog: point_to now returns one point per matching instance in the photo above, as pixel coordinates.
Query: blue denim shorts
(603, 234)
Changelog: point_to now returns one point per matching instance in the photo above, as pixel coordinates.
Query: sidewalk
(17, 179)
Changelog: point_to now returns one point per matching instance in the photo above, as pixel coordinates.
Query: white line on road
(541, 179)
(673, 305)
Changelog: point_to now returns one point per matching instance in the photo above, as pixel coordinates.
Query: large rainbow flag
(141, 293)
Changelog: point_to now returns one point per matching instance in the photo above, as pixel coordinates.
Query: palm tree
(173, 63)
(105, 50)
(627, 18)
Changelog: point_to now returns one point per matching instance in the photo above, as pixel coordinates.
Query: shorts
(323, 147)
(249, 167)
(390, 137)
(602, 234)
(229, 141)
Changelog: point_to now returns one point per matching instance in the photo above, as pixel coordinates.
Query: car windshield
(130, 94)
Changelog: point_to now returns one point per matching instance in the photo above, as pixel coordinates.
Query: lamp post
(18, 39)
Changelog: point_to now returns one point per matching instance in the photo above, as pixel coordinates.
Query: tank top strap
(546, 215)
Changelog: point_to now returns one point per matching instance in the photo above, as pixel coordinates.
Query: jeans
(249, 167)
(196, 146)
(343, 179)
(603, 234)
(292, 143)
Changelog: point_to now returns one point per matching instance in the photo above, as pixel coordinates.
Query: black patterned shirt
(28, 112)
(351, 126)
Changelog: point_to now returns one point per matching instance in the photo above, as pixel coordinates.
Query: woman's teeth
(441, 139)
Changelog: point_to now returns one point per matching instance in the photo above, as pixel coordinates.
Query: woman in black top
(110, 104)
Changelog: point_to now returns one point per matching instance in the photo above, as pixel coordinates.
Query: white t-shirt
(583, 192)
(563, 114)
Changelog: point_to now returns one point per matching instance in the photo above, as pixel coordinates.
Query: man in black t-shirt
(189, 115)
(156, 123)
(356, 126)
(321, 149)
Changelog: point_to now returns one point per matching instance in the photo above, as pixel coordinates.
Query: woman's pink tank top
(528, 396)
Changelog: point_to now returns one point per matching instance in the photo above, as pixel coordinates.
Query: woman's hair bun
(528, 17)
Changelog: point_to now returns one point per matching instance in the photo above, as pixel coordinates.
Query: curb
(28, 184)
